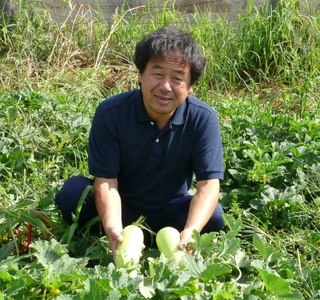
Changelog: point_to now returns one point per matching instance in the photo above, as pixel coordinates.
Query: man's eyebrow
(179, 71)
(157, 67)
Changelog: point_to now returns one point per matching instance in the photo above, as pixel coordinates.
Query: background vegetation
(263, 79)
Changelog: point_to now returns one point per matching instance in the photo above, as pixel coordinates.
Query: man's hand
(115, 237)
(186, 239)
(108, 204)
(202, 206)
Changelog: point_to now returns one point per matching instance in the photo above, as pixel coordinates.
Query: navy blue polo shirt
(152, 166)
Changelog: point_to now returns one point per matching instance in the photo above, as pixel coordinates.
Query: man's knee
(216, 222)
(218, 215)
(69, 195)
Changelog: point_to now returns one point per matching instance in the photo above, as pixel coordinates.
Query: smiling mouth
(164, 100)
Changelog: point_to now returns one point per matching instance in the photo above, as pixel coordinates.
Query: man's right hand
(115, 237)
(108, 204)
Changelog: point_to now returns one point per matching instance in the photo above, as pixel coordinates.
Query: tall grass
(260, 47)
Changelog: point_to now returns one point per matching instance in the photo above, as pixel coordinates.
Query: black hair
(167, 40)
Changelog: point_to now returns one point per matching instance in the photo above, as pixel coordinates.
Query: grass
(262, 77)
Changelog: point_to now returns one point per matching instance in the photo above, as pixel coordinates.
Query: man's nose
(165, 83)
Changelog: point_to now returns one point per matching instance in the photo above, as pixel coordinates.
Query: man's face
(165, 84)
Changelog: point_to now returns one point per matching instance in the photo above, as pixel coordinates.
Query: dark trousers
(174, 214)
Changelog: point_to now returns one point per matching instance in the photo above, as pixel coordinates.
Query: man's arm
(108, 203)
(202, 206)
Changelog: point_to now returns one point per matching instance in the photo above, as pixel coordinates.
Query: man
(146, 145)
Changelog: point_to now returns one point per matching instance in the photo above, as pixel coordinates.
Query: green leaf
(273, 282)
(100, 289)
(68, 235)
(16, 286)
(213, 271)
(58, 266)
(230, 244)
(203, 243)
(234, 225)
(84, 195)
(261, 247)
(6, 250)
(146, 287)
(5, 276)
(194, 266)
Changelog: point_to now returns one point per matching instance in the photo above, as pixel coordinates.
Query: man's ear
(139, 76)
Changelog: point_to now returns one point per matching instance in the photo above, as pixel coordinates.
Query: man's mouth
(163, 99)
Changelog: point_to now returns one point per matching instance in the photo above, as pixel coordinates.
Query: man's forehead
(171, 58)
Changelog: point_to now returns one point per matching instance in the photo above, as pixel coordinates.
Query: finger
(182, 246)
(184, 241)
(189, 249)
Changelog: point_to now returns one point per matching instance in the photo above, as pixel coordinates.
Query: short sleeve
(103, 152)
(207, 156)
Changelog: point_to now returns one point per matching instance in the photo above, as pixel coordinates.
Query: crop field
(263, 79)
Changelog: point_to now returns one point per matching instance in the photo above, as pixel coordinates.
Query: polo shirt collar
(178, 117)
